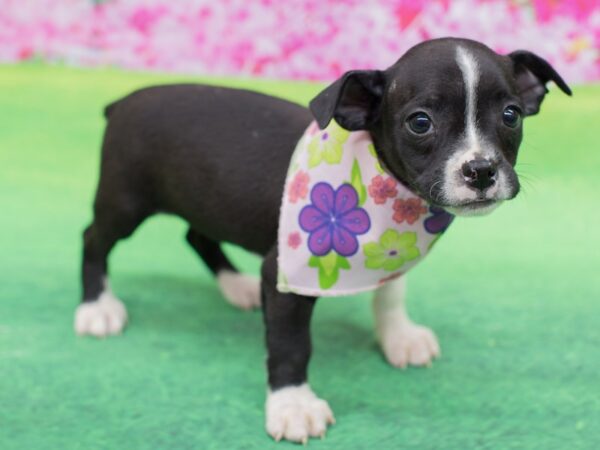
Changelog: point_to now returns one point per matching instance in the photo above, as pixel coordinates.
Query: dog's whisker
(432, 188)
(527, 177)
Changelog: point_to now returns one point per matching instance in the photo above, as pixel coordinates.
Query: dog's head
(446, 119)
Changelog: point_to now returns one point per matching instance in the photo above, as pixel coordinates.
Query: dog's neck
(346, 224)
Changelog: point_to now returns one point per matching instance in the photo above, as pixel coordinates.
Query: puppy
(445, 121)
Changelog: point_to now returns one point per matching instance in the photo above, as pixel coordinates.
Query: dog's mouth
(478, 207)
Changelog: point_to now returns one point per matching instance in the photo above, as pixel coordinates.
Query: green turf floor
(514, 298)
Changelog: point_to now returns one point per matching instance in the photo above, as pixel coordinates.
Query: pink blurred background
(293, 39)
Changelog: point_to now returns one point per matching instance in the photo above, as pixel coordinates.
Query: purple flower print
(439, 221)
(333, 220)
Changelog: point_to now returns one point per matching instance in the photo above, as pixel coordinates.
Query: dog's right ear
(354, 100)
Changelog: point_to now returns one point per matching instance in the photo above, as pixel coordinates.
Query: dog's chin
(476, 208)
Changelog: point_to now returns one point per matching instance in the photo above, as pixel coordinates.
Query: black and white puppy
(446, 120)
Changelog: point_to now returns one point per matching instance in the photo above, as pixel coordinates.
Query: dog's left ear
(531, 74)
(354, 100)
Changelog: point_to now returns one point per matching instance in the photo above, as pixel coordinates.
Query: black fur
(428, 79)
(354, 101)
(218, 158)
(531, 74)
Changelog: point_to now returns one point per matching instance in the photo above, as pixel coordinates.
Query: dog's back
(215, 156)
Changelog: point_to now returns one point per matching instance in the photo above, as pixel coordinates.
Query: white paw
(409, 343)
(295, 413)
(103, 317)
(242, 291)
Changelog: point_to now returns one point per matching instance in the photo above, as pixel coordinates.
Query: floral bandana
(347, 226)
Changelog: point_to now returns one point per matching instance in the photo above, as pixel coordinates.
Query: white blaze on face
(472, 145)
(470, 73)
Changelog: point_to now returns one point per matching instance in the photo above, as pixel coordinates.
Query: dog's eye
(511, 117)
(419, 123)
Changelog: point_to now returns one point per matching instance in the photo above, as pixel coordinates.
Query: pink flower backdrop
(298, 39)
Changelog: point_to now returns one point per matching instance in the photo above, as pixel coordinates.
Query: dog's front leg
(403, 342)
(293, 411)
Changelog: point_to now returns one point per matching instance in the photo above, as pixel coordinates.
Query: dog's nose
(479, 173)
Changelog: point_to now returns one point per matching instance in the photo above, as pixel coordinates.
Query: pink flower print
(380, 190)
(294, 240)
(408, 210)
(298, 187)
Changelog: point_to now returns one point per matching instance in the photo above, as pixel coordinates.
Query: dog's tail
(110, 108)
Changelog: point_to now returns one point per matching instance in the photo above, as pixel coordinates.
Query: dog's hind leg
(100, 312)
(242, 291)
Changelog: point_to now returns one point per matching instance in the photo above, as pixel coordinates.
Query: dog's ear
(353, 101)
(531, 74)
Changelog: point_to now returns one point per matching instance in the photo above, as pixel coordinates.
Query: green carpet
(514, 298)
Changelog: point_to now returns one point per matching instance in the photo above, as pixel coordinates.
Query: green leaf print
(329, 268)
(357, 184)
(374, 154)
(281, 279)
